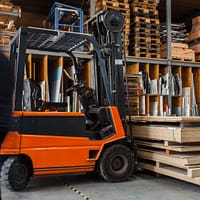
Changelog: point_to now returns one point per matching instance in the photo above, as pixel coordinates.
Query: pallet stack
(169, 146)
(9, 14)
(194, 37)
(144, 29)
(123, 7)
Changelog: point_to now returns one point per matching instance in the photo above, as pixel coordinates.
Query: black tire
(116, 163)
(14, 173)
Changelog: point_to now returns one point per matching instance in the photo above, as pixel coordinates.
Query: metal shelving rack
(168, 62)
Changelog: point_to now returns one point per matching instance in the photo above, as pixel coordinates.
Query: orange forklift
(45, 139)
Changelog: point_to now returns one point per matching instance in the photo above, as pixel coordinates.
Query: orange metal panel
(59, 154)
(53, 113)
(11, 144)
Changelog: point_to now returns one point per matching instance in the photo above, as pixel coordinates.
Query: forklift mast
(107, 27)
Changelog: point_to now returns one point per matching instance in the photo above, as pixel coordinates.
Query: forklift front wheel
(14, 173)
(116, 163)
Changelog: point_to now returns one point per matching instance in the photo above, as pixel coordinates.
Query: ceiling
(182, 10)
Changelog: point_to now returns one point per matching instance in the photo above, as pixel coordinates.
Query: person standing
(6, 96)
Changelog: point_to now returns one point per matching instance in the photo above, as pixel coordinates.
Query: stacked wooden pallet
(194, 37)
(169, 146)
(123, 7)
(144, 29)
(179, 51)
(9, 14)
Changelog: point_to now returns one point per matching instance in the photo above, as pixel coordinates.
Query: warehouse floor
(142, 186)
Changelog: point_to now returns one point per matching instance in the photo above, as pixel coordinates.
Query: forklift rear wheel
(116, 163)
(14, 173)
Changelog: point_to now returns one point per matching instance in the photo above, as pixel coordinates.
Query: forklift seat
(33, 98)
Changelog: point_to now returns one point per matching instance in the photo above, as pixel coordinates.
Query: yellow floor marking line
(78, 192)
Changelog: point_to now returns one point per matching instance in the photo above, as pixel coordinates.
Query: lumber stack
(123, 7)
(169, 146)
(179, 51)
(194, 37)
(144, 29)
(9, 14)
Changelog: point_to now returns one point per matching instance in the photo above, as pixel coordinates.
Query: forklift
(44, 138)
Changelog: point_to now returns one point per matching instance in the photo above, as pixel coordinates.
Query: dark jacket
(6, 94)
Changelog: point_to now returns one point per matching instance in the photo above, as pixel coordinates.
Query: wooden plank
(43, 76)
(173, 147)
(169, 172)
(165, 119)
(174, 134)
(158, 133)
(166, 159)
(29, 68)
(193, 172)
(178, 160)
(133, 69)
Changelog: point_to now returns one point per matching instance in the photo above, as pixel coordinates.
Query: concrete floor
(142, 186)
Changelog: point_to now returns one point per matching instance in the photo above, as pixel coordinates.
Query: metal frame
(131, 59)
(58, 10)
(50, 41)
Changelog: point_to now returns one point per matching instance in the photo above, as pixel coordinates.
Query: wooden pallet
(145, 2)
(139, 54)
(181, 160)
(139, 34)
(148, 26)
(118, 1)
(124, 11)
(144, 12)
(154, 46)
(191, 175)
(138, 47)
(186, 163)
(112, 4)
(154, 55)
